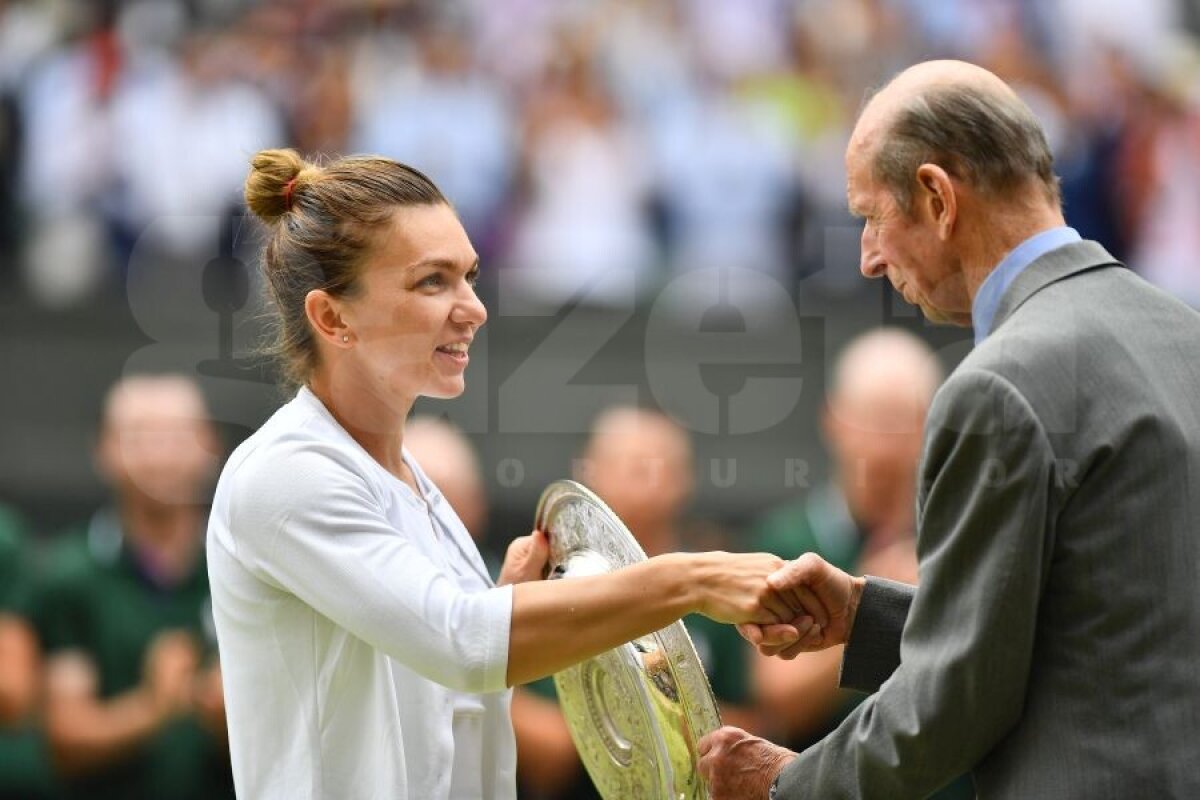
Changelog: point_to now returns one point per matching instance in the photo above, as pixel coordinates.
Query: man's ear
(937, 198)
(325, 315)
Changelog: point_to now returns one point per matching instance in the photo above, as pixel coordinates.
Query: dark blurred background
(655, 187)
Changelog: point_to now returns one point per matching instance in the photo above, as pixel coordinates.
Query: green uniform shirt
(14, 572)
(25, 770)
(820, 524)
(96, 598)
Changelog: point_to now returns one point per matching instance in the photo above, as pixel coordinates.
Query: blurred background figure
(639, 462)
(583, 232)
(450, 461)
(438, 110)
(133, 693)
(25, 771)
(873, 424)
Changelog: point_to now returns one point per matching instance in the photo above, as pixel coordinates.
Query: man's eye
(473, 277)
(434, 280)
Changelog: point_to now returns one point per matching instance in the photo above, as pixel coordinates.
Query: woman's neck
(377, 426)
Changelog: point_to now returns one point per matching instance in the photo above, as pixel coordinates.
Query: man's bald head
(639, 461)
(887, 364)
(157, 443)
(874, 422)
(962, 118)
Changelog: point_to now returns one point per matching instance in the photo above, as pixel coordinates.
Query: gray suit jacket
(1053, 647)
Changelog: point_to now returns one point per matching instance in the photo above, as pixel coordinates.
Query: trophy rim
(648, 701)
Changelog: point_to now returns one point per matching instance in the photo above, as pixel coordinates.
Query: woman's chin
(445, 390)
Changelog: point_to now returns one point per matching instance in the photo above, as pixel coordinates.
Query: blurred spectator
(447, 457)
(25, 772)
(873, 422)
(583, 230)
(1159, 170)
(68, 164)
(445, 118)
(726, 182)
(26, 29)
(186, 128)
(134, 706)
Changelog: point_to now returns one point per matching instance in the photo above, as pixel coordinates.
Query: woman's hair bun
(275, 179)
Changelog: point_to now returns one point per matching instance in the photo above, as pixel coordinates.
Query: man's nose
(870, 264)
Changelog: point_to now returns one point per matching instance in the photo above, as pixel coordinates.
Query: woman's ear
(937, 198)
(325, 316)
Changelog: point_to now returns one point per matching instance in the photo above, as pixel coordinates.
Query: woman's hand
(734, 589)
(826, 593)
(526, 559)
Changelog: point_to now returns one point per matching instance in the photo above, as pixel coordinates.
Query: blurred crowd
(594, 148)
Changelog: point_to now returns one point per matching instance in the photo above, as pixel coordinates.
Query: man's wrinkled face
(903, 245)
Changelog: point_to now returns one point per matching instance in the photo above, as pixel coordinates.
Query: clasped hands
(734, 763)
(803, 606)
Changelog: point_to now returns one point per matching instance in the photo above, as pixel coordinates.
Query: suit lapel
(1060, 263)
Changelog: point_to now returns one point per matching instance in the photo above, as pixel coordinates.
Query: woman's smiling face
(415, 310)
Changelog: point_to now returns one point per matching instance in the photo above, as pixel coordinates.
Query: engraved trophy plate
(636, 712)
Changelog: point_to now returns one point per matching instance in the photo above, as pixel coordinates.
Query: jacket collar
(1052, 267)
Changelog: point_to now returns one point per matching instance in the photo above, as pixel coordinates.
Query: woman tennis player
(365, 651)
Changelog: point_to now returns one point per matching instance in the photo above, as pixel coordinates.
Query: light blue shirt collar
(987, 301)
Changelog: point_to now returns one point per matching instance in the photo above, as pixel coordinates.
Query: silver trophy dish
(637, 712)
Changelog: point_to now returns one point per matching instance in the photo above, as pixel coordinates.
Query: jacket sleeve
(873, 652)
(985, 533)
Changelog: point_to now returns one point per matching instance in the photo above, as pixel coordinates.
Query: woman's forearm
(559, 623)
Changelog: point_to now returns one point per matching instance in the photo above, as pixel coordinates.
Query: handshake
(804, 606)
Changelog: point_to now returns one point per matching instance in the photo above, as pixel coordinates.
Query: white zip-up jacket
(363, 647)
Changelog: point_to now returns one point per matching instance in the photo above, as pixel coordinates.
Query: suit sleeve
(873, 652)
(984, 536)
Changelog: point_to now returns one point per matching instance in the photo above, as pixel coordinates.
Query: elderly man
(1053, 643)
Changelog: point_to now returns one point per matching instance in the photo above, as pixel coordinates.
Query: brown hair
(323, 219)
(991, 140)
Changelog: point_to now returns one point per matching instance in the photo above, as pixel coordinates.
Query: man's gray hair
(991, 141)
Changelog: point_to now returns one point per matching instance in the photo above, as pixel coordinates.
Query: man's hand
(170, 672)
(526, 559)
(813, 584)
(738, 766)
(209, 702)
